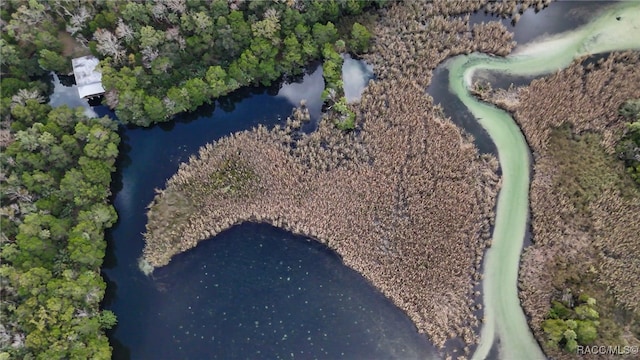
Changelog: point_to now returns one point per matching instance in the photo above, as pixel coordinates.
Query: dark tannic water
(252, 292)
(255, 291)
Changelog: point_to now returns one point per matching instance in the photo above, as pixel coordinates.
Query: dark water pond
(252, 292)
(258, 292)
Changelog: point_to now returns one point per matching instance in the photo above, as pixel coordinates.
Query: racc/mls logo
(606, 350)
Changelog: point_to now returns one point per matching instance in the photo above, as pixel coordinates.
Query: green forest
(158, 59)
(571, 323)
(54, 211)
(161, 59)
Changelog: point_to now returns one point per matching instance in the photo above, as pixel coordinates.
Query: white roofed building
(88, 79)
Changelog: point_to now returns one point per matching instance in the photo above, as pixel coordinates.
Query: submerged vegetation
(585, 208)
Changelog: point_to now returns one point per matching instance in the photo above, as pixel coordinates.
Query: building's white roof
(90, 90)
(88, 79)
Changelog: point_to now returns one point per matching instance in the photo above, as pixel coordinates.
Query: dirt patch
(72, 48)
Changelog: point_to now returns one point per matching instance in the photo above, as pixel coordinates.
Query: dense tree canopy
(158, 58)
(56, 172)
(360, 38)
(568, 326)
(163, 59)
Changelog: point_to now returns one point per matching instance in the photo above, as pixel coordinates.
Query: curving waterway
(614, 28)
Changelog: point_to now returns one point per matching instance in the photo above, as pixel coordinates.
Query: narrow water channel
(613, 28)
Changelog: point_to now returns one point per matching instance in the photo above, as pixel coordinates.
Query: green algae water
(615, 28)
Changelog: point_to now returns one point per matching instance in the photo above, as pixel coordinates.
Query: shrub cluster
(568, 326)
(629, 146)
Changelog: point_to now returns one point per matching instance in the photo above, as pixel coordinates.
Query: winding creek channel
(615, 28)
(248, 293)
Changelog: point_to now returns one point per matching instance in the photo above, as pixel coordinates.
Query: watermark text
(606, 350)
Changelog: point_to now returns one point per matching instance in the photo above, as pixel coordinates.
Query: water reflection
(355, 77)
(309, 89)
(68, 95)
(558, 17)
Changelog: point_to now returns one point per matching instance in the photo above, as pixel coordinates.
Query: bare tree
(159, 11)
(111, 98)
(21, 97)
(123, 31)
(177, 6)
(78, 19)
(18, 193)
(148, 55)
(108, 44)
(30, 16)
(173, 34)
(26, 20)
(82, 40)
(170, 105)
(235, 4)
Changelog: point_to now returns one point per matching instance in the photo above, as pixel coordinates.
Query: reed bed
(405, 199)
(618, 218)
(591, 233)
(513, 9)
(412, 39)
(581, 86)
